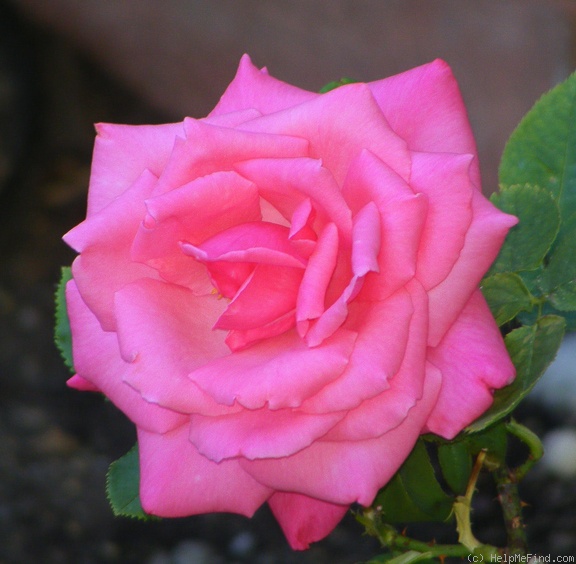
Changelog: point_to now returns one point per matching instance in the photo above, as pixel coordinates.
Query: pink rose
(284, 295)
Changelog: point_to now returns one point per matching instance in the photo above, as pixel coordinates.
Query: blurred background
(65, 64)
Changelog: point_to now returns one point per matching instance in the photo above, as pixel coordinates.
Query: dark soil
(55, 443)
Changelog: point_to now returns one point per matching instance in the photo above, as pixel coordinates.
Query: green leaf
(62, 336)
(539, 219)
(507, 296)
(560, 273)
(455, 460)
(123, 484)
(542, 149)
(532, 348)
(414, 493)
(335, 84)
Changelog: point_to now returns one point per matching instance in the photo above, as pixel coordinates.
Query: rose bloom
(283, 296)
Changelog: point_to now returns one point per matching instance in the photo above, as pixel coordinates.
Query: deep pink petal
(483, 241)
(474, 362)
(366, 238)
(286, 183)
(258, 242)
(425, 107)
(254, 88)
(338, 125)
(177, 481)
(304, 519)
(194, 212)
(81, 384)
(321, 264)
(104, 239)
(258, 433)
(122, 153)
(240, 339)
(165, 332)
(268, 294)
(347, 472)
(99, 366)
(445, 180)
(281, 372)
(210, 148)
(402, 217)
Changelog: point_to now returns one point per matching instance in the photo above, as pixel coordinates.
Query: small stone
(560, 452)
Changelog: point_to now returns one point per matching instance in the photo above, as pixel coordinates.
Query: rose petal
(379, 414)
(445, 180)
(196, 211)
(104, 240)
(259, 433)
(177, 481)
(286, 183)
(258, 242)
(304, 519)
(121, 153)
(402, 216)
(268, 294)
(253, 88)
(281, 371)
(210, 148)
(347, 472)
(383, 329)
(310, 303)
(483, 241)
(473, 361)
(338, 125)
(89, 342)
(165, 332)
(425, 107)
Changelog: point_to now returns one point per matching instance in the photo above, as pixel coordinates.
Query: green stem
(533, 443)
(390, 538)
(511, 509)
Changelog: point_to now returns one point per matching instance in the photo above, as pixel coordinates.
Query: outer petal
(177, 481)
(473, 360)
(122, 152)
(483, 241)
(104, 240)
(89, 343)
(253, 88)
(304, 519)
(445, 180)
(338, 125)
(210, 148)
(165, 332)
(425, 107)
(347, 472)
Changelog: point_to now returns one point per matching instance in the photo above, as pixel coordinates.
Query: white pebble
(560, 452)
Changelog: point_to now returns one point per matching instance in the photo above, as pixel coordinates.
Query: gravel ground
(55, 443)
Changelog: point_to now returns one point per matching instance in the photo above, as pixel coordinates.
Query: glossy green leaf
(539, 220)
(62, 336)
(455, 460)
(123, 484)
(542, 149)
(560, 273)
(532, 348)
(507, 296)
(414, 493)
